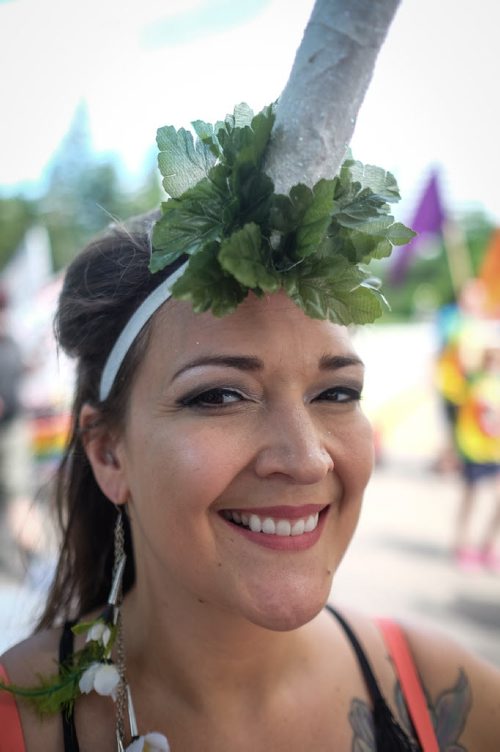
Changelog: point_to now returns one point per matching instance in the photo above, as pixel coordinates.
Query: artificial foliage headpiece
(241, 236)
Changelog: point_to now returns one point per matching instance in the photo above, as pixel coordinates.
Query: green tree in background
(428, 284)
(82, 193)
(17, 214)
(85, 192)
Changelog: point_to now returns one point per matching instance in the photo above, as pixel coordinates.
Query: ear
(101, 449)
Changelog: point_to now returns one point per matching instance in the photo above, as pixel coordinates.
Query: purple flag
(427, 220)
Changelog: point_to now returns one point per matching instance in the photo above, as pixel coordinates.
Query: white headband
(132, 328)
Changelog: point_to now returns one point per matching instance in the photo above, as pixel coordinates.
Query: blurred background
(84, 87)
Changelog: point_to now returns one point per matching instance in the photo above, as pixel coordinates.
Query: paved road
(398, 564)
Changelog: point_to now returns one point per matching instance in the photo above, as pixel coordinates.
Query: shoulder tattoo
(448, 713)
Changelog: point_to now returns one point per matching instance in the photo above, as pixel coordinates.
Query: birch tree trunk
(317, 110)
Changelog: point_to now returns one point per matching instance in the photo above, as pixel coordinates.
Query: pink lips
(278, 542)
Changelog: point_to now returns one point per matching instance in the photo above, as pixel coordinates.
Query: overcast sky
(139, 64)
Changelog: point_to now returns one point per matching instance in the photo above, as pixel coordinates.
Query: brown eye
(213, 398)
(340, 394)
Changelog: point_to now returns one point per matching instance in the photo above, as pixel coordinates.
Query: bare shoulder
(463, 690)
(37, 654)
(24, 663)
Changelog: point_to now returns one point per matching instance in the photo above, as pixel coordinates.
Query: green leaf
(316, 219)
(206, 133)
(262, 125)
(242, 256)
(187, 224)
(337, 291)
(377, 225)
(365, 304)
(51, 695)
(378, 250)
(242, 115)
(83, 626)
(399, 234)
(182, 162)
(207, 286)
(254, 191)
(238, 146)
(245, 143)
(286, 212)
(378, 180)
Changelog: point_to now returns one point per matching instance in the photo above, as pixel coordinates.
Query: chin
(282, 609)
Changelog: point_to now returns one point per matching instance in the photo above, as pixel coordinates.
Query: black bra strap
(366, 669)
(66, 648)
(389, 735)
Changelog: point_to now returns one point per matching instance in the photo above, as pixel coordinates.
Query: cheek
(356, 453)
(189, 468)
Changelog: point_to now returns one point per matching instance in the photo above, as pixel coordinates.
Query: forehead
(272, 327)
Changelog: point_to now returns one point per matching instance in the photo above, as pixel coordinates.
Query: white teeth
(311, 523)
(269, 526)
(298, 527)
(255, 524)
(283, 527)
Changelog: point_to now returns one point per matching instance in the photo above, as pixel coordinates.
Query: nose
(294, 445)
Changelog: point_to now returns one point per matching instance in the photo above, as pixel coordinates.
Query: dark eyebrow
(334, 362)
(242, 362)
(252, 363)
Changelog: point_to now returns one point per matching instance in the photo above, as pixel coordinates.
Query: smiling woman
(214, 478)
(230, 457)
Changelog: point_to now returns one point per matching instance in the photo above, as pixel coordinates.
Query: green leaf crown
(240, 235)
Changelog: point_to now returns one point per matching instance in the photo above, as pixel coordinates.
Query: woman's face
(245, 455)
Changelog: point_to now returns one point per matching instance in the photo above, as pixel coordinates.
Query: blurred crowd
(468, 382)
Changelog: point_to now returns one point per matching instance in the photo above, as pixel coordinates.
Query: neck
(205, 654)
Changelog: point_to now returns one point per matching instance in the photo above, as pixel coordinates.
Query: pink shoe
(469, 559)
(491, 560)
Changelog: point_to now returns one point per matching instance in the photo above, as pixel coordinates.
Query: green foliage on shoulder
(313, 243)
(57, 692)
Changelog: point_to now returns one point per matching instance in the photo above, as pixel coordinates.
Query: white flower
(86, 682)
(153, 742)
(101, 677)
(99, 632)
(106, 679)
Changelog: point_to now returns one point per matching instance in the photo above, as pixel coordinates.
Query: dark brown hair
(103, 286)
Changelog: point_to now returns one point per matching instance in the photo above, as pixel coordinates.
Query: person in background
(477, 431)
(460, 330)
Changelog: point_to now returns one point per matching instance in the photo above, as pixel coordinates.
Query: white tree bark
(317, 110)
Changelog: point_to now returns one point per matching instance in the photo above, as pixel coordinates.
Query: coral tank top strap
(11, 734)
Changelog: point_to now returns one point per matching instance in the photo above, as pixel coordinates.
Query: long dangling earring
(123, 697)
(115, 601)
